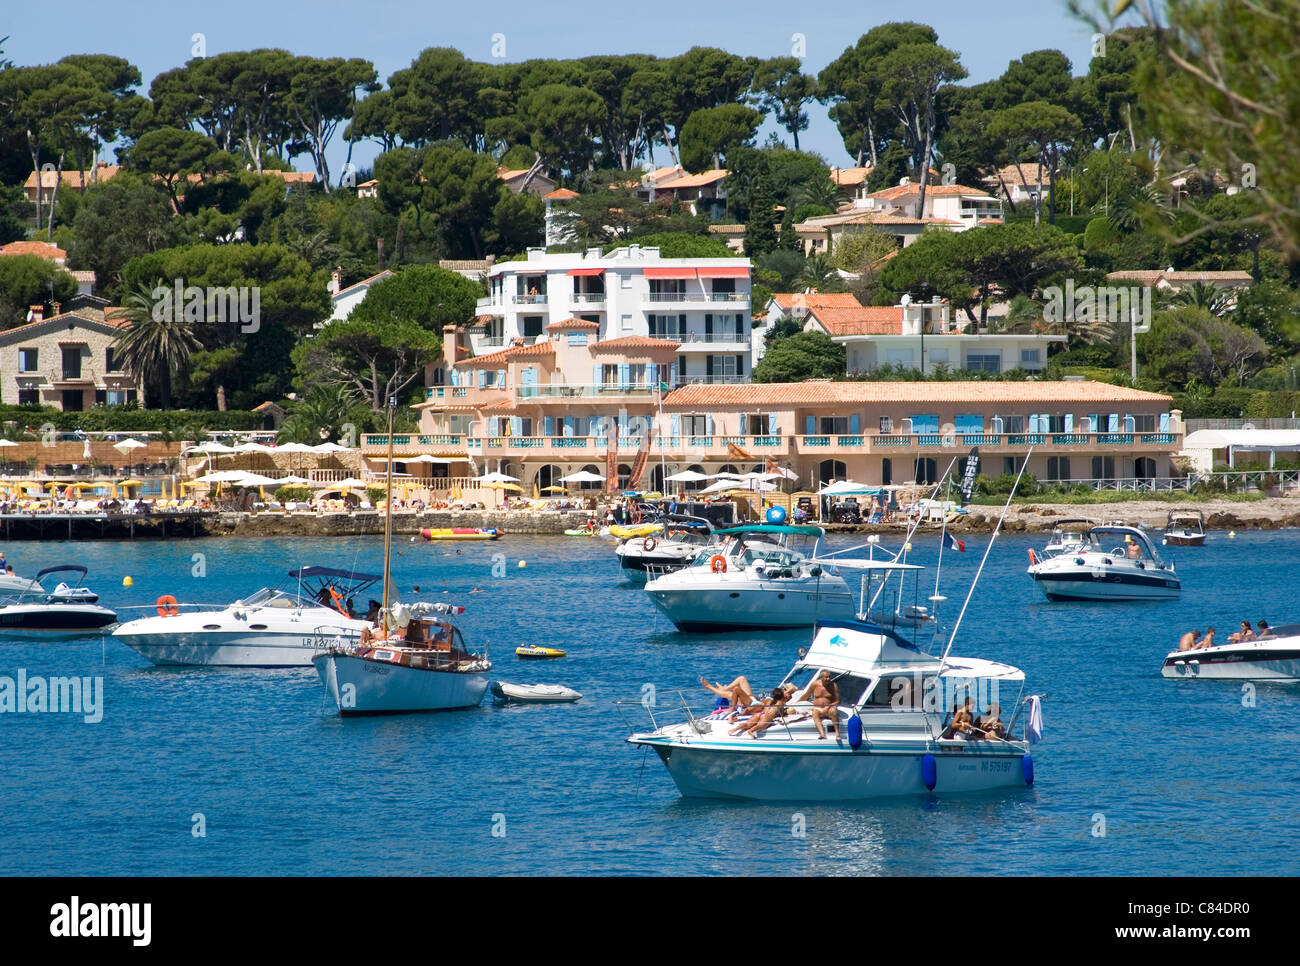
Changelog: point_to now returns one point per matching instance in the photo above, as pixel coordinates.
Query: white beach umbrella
(128, 444)
(330, 448)
(252, 448)
(293, 448)
(254, 479)
(292, 480)
(687, 476)
(211, 449)
(582, 476)
(496, 477)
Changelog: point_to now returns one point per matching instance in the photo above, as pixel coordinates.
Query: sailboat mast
(388, 505)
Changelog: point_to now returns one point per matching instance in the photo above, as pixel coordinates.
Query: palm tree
(157, 341)
(319, 414)
(819, 192)
(1205, 295)
(819, 274)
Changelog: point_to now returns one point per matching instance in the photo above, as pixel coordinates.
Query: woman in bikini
(764, 720)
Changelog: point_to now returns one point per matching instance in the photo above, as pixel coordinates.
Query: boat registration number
(318, 641)
(995, 766)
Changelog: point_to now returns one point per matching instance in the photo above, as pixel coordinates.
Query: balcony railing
(380, 440)
(676, 297)
(589, 298)
(447, 392)
(584, 391)
(707, 338)
(730, 380)
(528, 299)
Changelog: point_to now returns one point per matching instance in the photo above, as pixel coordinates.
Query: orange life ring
(718, 563)
(167, 606)
(339, 603)
(648, 544)
(1033, 558)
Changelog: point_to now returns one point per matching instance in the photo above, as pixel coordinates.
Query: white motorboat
(1273, 657)
(13, 584)
(280, 627)
(1185, 528)
(670, 549)
(413, 660)
(755, 578)
(533, 693)
(70, 610)
(892, 717)
(1114, 563)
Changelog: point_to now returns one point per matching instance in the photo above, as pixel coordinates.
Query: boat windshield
(1119, 545)
(267, 597)
(851, 686)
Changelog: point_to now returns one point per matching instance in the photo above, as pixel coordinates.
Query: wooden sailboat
(413, 660)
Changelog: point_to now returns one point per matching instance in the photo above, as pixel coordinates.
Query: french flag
(952, 543)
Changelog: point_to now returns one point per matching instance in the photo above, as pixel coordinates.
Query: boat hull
(838, 773)
(233, 649)
(716, 603)
(461, 533)
(364, 686)
(53, 621)
(1104, 583)
(1235, 662)
(1185, 540)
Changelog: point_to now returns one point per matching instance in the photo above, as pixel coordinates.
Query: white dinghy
(533, 693)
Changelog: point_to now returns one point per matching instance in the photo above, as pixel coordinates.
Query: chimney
(35, 313)
(56, 308)
(336, 281)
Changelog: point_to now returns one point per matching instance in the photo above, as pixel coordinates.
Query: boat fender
(929, 771)
(855, 732)
(648, 544)
(814, 571)
(167, 606)
(776, 515)
(1033, 558)
(718, 563)
(1027, 769)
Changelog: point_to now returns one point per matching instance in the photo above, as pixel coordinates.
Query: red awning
(586, 271)
(725, 271)
(669, 273)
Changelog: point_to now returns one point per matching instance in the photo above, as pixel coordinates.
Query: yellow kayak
(461, 533)
(536, 651)
(639, 530)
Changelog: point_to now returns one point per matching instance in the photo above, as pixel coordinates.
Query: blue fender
(855, 732)
(1027, 769)
(929, 771)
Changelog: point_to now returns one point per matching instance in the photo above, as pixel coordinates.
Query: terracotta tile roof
(889, 393)
(62, 318)
(492, 358)
(509, 174)
(692, 180)
(862, 320)
(862, 216)
(506, 405)
(904, 190)
(634, 342)
(292, 177)
(365, 281)
(574, 323)
(84, 276)
(465, 264)
(830, 300)
(73, 179)
(38, 248)
(1152, 276)
(560, 194)
(726, 229)
(536, 349)
(850, 176)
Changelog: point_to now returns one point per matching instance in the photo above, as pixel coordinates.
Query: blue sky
(157, 36)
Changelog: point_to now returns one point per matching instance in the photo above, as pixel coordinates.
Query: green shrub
(292, 494)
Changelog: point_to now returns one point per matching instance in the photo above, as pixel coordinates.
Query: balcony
(602, 391)
(528, 299)
(690, 339)
(378, 442)
(589, 298)
(728, 380)
(447, 392)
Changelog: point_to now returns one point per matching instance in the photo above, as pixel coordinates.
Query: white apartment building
(703, 304)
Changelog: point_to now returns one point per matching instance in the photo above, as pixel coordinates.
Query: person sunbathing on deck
(962, 721)
(765, 719)
(1245, 634)
(738, 693)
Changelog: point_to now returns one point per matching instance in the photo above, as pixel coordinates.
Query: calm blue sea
(1184, 778)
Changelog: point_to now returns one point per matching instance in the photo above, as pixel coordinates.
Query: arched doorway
(591, 484)
(695, 484)
(624, 476)
(549, 475)
(828, 470)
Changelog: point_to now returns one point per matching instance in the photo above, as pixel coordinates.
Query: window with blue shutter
(652, 375)
(675, 424)
(624, 376)
(550, 426)
(1112, 423)
(568, 425)
(855, 424)
(501, 378)
(810, 425)
(595, 375)
(1164, 422)
(1129, 423)
(742, 424)
(708, 424)
(1069, 422)
(482, 378)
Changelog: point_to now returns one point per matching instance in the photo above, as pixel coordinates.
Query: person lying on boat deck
(1188, 640)
(765, 718)
(380, 634)
(1245, 634)
(1264, 629)
(786, 690)
(738, 693)
(962, 720)
(825, 695)
(990, 725)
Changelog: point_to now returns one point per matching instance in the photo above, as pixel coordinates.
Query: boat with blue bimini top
(273, 627)
(1113, 563)
(894, 732)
